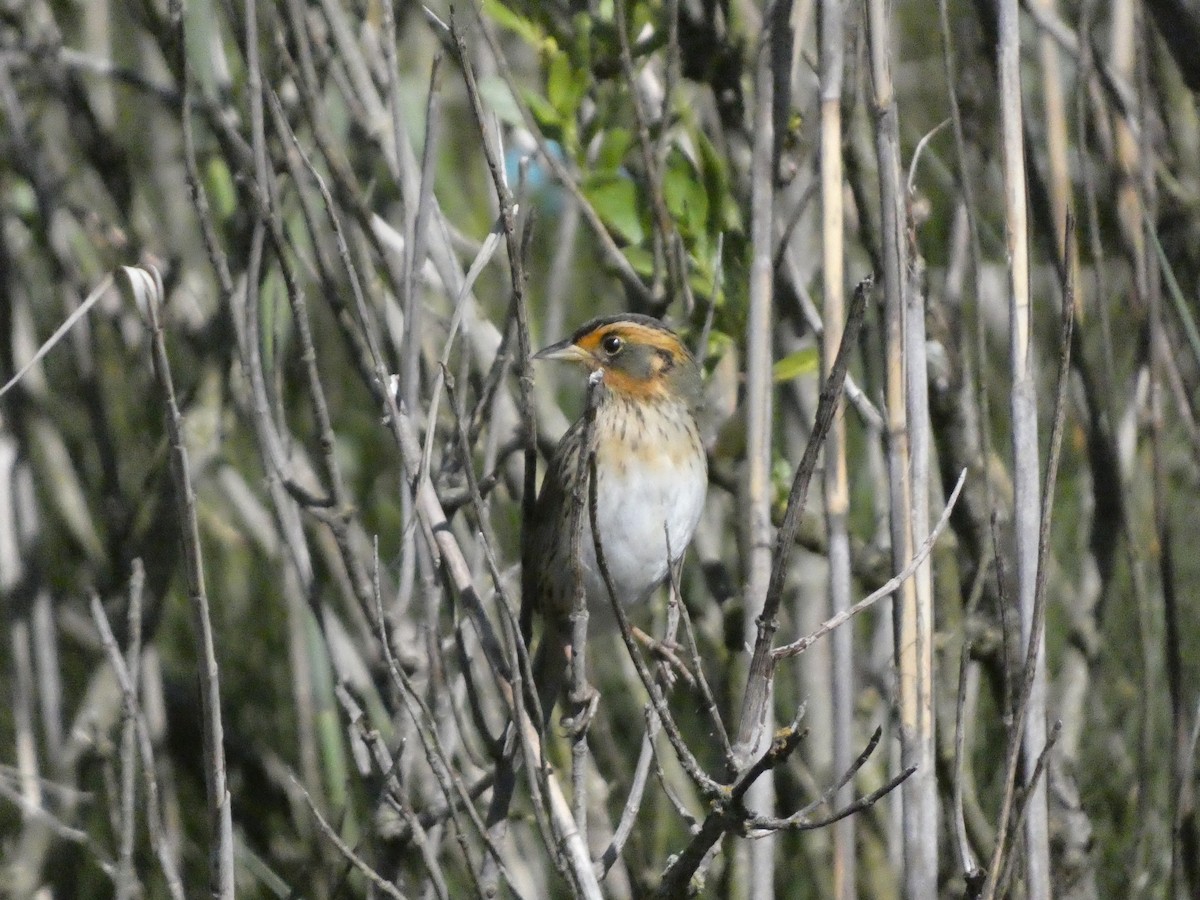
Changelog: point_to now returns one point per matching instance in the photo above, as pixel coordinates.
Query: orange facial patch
(658, 346)
(631, 386)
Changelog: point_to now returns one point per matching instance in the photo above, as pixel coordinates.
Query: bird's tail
(550, 665)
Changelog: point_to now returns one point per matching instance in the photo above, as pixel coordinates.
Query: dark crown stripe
(623, 319)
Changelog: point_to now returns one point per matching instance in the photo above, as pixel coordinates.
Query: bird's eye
(612, 344)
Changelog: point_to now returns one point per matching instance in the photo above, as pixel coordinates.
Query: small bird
(651, 480)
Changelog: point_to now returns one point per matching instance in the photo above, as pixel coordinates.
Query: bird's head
(640, 357)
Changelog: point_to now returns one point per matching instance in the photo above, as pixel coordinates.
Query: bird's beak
(563, 350)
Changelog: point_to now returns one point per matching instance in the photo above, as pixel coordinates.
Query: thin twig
(706, 694)
(666, 235)
(270, 217)
(1023, 711)
(346, 850)
(727, 812)
(612, 253)
(453, 790)
(59, 333)
(754, 702)
(797, 647)
(580, 690)
(633, 802)
(149, 285)
(127, 884)
(517, 245)
(864, 802)
(126, 681)
(1027, 793)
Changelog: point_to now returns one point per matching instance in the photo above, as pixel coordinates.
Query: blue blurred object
(540, 185)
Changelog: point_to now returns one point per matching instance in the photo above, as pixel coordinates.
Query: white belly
(651, 503)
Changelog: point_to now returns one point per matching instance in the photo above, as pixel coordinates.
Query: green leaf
(505, 17)
(565, 85)
(615, 199)
(719, 343)
(614, 145)
(700, 278)
(221, 191)
(21, 198)
(641, 259)
(547, 116)
(802, 362)
(581, 45)
(781, 482)
(499, 99)
(558, 78)
(687, 199)
(727, 216)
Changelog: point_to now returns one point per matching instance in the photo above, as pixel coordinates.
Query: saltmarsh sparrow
(651, 479)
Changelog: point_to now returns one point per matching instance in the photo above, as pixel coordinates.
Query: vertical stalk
(919, 440)
(1122, 54)
(1057, 145)
(918, 793)
(1164, 534)
(1172, 660)
(753, 735)
(1023, 400)
(757, 484)
(837, 495)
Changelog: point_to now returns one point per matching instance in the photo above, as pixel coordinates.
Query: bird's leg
(669, 662)
(584, 703)
(578, 723)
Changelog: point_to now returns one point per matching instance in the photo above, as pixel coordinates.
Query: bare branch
(147, 286)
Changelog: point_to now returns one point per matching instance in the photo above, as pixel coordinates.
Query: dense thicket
(268, 645)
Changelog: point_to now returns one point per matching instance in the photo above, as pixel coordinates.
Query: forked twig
(754, 701)
(797, 647)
